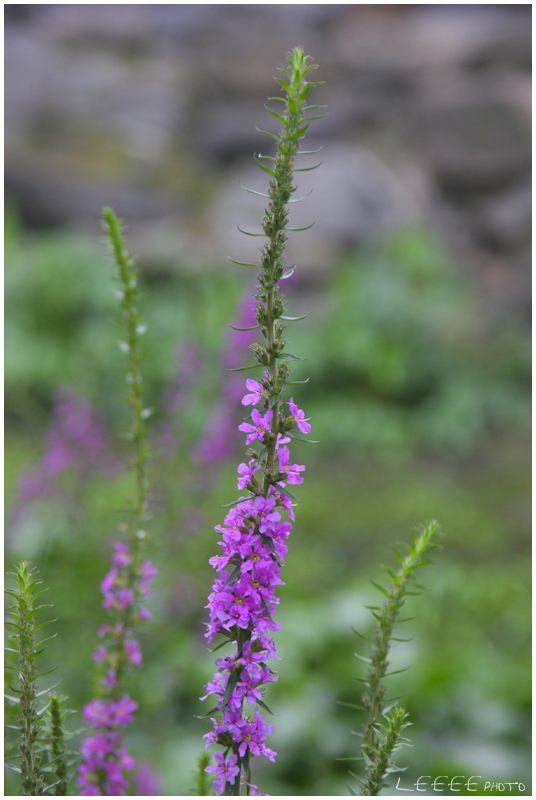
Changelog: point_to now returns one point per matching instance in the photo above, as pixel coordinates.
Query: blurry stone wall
(153, 109)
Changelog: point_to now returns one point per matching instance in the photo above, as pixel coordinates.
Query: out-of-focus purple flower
(133, 651)
(75, 440)
(105, 760)
(147, 782)
(217, 442)
(175, 396)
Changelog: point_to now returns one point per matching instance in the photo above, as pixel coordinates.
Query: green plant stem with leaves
(59, 761)
(390, 740)
(271, 306)
(134, 528)
(379, 741)
(22, 620)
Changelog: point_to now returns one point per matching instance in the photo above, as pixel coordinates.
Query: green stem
(134, 329)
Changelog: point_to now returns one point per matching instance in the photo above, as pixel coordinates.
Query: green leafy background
(419, 397)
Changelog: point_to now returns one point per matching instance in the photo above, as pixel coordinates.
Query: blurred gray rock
(154, 107)
(475, 146)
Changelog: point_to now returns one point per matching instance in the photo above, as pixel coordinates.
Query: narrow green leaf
(248, 233)
(220, 645)
(235, 502)
(284, 84)
(380, 588)
(204, 716)
(274, 113)
(243, 263)
(287, 493)
(252, 191)
(299, 199)
(264, 167)
(234, 574)
(296, 230)
(262, 704)
(231, 684)
(301, 439)
(253, 328)
(307, 169)
(242, 369)
(267, 133)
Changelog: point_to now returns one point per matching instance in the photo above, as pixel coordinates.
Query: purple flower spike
(243, 600)
(105, 760)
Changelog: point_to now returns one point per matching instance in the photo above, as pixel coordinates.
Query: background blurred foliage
(420, 400)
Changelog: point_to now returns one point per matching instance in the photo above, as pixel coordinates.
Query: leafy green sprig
(59, 756)
(201, 781)
(380, 759)
(134, 329)
(381, 739)
(32, 747)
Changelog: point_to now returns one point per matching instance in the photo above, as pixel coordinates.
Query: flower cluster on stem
(243, 599)
(127, 585)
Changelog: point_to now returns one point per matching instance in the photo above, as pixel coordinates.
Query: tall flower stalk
(243, 599)
(127, 584)
(385, 720)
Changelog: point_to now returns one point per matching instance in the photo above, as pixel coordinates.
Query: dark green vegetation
(419, 397)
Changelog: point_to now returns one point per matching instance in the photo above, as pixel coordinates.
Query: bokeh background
(417, 278)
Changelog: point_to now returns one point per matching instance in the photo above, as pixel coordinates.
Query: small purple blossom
(133, 651)
(299, 417)
(76, 441)
(260, 427)
(100, 654)
(254, 397)
(225, 771)
(121, 556)
(246, 472)
(291, 471)
(147, 781)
